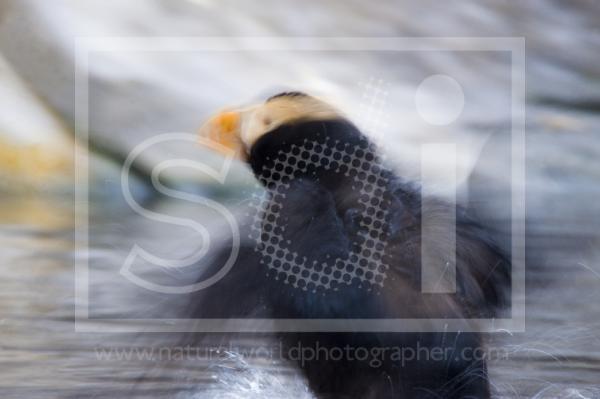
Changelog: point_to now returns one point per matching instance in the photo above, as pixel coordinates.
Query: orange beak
(224, 130)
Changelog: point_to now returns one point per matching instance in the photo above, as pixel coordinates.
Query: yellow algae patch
(33, 160)
(36, 148)
(32, 166)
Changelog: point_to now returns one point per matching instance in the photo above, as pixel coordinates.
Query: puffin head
(287, 125)
(240, 129)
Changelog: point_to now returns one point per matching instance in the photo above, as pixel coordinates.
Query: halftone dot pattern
(364, 266)
(372, 115)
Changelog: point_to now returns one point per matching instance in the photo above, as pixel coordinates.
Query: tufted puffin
(339, 237)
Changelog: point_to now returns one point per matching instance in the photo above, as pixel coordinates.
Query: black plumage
(287, 94)
(324, 220)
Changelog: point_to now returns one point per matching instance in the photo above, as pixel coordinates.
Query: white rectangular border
(85, 45)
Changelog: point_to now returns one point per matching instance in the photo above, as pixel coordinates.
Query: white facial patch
(261, 119)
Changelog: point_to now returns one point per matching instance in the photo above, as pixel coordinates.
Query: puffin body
(340, 237)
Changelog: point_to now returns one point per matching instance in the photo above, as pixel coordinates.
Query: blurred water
(558, 357)
(42, 356)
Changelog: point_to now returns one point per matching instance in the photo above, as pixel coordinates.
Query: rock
(36, 148)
